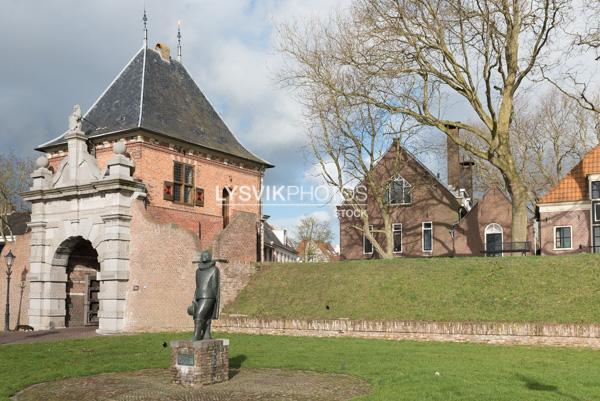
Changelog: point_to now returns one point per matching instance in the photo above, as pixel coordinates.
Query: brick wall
(239, 240)
(162, 270)
(579, 220)
(580, 335)
(161, 267)
(20, 248)
(238, 244)
(205, 227)
(494, 207)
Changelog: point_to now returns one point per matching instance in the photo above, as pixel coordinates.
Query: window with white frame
(399, 192)
(596, 212)
(595, 189)
(397, 236)
(562, 237)
(367, 245)
(427, 228)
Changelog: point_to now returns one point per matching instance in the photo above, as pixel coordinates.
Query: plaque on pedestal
(199, 363)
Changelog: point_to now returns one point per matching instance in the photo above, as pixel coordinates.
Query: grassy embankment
(563, 289)
(397, 371)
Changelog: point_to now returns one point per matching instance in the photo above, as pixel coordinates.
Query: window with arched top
(399, 192)
(493, 229)
(493, 239)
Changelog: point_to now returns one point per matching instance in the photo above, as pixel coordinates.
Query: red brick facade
(431, 202)
(154, 161)
(569, 205)
(578, 220)
(161, 282)
(493, 208)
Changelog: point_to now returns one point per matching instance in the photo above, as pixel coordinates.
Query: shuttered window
(183, 183)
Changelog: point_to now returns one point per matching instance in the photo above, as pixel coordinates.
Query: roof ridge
(113, 81)
(142, 87)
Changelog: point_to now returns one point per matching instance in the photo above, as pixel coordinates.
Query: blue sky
(59, 53)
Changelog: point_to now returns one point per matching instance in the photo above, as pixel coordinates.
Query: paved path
(20, 337)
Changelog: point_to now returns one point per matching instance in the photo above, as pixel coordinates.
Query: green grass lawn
(535, 289)
(395, 370)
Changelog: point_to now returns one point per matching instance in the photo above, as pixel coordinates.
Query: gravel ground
(244, 385)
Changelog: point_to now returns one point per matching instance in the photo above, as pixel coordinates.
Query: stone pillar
(120, 166)
(77, 145)
(113, 255)
(41, 177)
(47, 283)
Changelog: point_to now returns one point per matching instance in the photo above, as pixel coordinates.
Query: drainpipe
(262, 219)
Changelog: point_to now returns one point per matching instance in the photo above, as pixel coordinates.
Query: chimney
(164, 51)
(466, 176)
(452, 157)
(460, 168)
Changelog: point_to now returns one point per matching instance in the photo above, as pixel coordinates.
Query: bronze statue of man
(205, 305)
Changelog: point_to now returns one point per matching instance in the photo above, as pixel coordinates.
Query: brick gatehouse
(123, 200)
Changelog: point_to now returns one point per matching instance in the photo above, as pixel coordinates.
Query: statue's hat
(198, 257)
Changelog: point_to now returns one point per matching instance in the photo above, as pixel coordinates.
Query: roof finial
(179, 41)
(145, 19)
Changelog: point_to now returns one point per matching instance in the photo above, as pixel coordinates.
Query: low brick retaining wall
(577, 335)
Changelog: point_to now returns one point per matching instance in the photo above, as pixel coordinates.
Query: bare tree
(417, 58)
(548, 139)
(14, 179)
(348, 142)
(310, 231)
(577, 79)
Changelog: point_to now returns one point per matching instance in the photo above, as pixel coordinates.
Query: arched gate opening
(82, 287)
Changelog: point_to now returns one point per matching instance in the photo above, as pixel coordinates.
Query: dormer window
(399, 192)
(595, 189)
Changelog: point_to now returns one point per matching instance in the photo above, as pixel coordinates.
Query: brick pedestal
(200, 363)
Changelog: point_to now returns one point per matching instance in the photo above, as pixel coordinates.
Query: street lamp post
(23, 280)
(10, 259)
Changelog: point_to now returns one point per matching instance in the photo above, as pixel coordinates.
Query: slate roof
(574, 186)
(161, 97)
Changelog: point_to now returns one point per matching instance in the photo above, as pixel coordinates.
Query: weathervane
(145, 19)
(179, 41)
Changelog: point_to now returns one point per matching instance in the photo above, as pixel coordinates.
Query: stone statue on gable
(75, 119)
